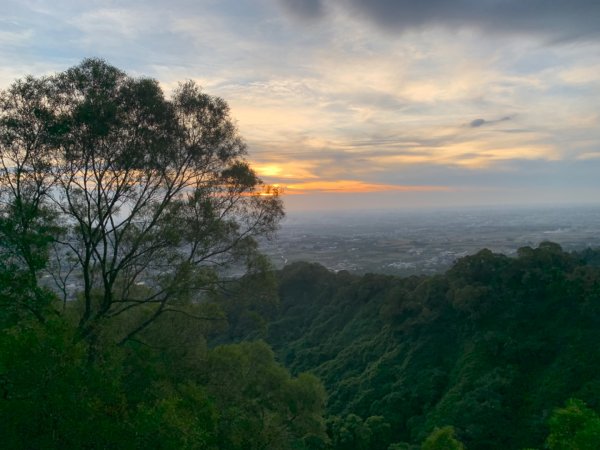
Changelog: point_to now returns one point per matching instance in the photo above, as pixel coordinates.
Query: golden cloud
(285, 170)
(354, 187)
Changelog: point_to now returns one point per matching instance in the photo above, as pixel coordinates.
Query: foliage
(574, 426)
(116, 205)
(352, 433)
(51, 396)
(135, 189)
(260, 405)
(490, 347)
(442, 439)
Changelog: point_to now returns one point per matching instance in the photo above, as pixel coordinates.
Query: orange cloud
(289, 170)
(353, 186)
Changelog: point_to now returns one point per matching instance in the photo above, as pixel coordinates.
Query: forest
(501, 349)
(120, 210)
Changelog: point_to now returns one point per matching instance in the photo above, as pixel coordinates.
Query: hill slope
(491, 347)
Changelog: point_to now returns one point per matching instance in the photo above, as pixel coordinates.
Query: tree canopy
(122, 198)
(120, 209)
(490, 348)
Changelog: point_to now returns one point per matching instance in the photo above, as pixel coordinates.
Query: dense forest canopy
(492, 347)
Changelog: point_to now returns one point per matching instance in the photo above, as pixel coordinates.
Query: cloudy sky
(362, 103)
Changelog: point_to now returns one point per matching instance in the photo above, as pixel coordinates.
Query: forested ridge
(497, 353)
(491, 348)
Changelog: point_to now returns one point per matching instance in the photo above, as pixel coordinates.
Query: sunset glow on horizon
(379, 104)
(353, 186)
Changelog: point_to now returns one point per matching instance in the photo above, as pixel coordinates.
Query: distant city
(425, 242)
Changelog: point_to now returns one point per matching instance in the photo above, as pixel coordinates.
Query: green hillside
(492, 347)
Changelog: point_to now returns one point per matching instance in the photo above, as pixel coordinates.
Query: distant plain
(425, 242)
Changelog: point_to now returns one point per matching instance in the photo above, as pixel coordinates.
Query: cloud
(356, 186)
(589, 155)
(305, 9)
(355, 97)
(481, 122)
(557, 19)
(297, 170)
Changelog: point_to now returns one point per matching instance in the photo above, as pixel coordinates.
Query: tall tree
(150, 193)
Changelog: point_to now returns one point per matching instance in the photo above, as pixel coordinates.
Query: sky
(362, 104)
